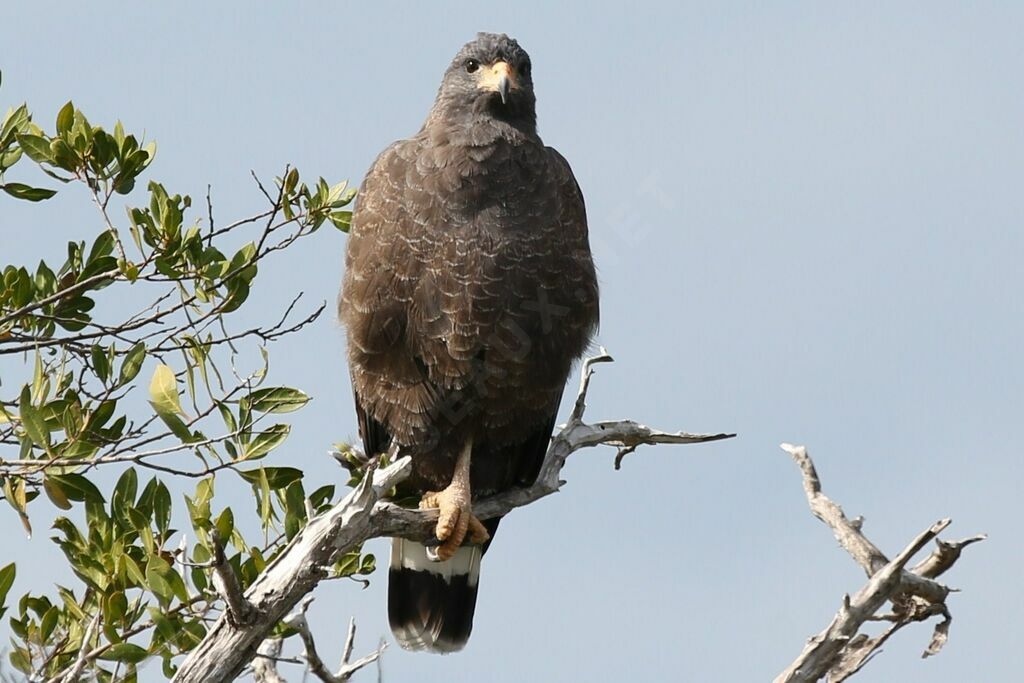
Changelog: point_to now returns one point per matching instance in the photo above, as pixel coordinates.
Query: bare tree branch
(240, 610)
(362, 515)
(83, 659)
(849, 535)
(823, 650)
(944, 556)
(839, 651)
(297, 620)
(264, 666)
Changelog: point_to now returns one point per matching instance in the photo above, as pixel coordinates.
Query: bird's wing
(393, 396)
(572, 219)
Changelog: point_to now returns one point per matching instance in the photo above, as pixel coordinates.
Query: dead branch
(297, 620)
(239, 610)
(839, 651)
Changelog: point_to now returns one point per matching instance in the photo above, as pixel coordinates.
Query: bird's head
(490, 76)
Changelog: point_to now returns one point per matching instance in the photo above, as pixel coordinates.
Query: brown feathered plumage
(469, 292)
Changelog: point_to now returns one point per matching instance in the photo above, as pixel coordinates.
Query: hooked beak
(499, 78)
(503, 84)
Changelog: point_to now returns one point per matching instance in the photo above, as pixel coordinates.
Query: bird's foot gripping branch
(229, 645)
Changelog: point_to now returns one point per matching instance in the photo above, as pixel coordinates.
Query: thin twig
(83, 658)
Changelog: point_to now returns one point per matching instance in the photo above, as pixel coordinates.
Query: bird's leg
(456, 520)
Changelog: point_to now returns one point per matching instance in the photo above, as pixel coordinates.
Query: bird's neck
(479, 129)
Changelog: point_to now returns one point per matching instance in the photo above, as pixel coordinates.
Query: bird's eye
(472, 65)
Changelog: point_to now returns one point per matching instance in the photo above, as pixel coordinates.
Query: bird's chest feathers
(494, 185)
(494, 233)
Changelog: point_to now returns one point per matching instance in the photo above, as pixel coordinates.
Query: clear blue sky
(807, 221)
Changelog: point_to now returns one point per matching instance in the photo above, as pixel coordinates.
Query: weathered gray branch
(239, 610)
(228, 647)
(944, 556)
(75, 672)
(267, 670)
(839, 651)
(264, 666)
(849, 535)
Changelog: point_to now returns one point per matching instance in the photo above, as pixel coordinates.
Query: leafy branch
(144, 592)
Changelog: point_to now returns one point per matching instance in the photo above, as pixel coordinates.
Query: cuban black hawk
(469, 292)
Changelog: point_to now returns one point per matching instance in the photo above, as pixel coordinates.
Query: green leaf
(263, 499)
(291, 180)
(115, 606)
(129, 653)
(132, 364)
(322, 496)
(129, 269)
(227, 416)
(335, 194)
(348, 564)
(77, 487)
(276, 477)
(15, 121)
(9, 158)
(36, 147)
(32, 420)
(178, 427)
(132, 570)
(17, 496)
(342, 220)
(7, 575)
(162, 508)
(55, 493)
(225, 524)
(40, 380)
(190, 635)
(123, 497)
(63, 155)
(21, 660)
(242, 257)
(177, 584)
(163, 391)
(266, 441)
(160, 577)
(238, 292)
(31, 194)
(65, 118)
(103, 246)
(48, 623)
(294, 509)
(277, 400)
(100, 363)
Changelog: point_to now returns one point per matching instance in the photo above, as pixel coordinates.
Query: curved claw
(455, 523)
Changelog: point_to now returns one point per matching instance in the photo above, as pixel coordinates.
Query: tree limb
(228, 648)
(297, 620)
(240, 610)
(839, 651)
(264, 666)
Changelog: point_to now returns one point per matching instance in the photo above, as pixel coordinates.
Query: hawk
(469, 293)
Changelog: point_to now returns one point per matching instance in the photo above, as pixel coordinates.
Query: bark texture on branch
(839, 651)
(229, 646)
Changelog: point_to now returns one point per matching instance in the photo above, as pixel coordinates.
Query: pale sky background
(807, 222)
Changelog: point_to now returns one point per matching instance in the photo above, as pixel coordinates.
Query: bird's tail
(430, 604)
